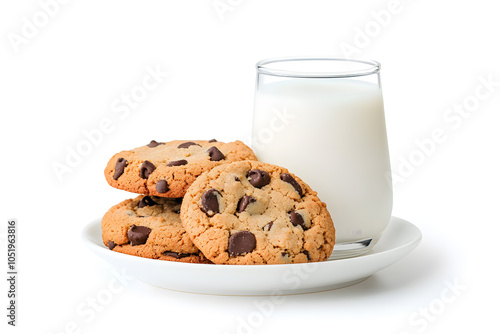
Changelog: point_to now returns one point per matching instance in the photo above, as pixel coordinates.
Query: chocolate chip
(297, 219)
(241, 242)
(289, 179)
(237, 178)
(111, 245)
(244, 201)
(121, 163)
(307, 254)
(177, 163)
(154, 143)
(210, 202)
(146, 201)
(268, 226)
(212, 141)
(146, 169)
(175, 255)
(284, 254)
(162, 186)
(258, 178)
(215, 154)
(138, 235)
(187, 144)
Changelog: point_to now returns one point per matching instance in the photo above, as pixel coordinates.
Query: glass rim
(262, 68)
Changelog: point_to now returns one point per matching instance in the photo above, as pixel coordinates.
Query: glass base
(352, 248)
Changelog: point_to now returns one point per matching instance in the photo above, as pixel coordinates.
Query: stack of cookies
(213, 202)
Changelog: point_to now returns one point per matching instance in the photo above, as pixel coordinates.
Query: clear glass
(323, 119)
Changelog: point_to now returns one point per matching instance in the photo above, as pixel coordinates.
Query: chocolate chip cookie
(251, 212)
(149, 227)
(168, 169)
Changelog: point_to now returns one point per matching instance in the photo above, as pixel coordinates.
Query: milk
(331, 133)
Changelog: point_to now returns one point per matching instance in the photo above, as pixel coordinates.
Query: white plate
(398, 240)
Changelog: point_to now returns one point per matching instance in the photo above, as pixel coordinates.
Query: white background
(65, 77)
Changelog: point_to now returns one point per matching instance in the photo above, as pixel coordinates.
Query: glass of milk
(323, 119)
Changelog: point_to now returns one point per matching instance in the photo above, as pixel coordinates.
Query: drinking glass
(323, 119)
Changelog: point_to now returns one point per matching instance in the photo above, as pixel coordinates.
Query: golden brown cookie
(168, 169)
(255, 213)
(149, 227)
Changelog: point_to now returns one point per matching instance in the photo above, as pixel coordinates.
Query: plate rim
(330, 274)
(91, 244)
